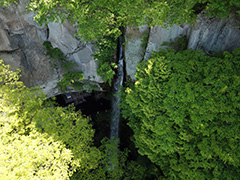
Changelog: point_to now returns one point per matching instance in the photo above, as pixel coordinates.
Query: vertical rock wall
(208, 34)
(21, 40)
(159, 35)
(214, 34)
(61, 36)
(136, 41)
(21, 46)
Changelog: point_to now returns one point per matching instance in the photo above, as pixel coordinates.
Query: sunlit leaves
(105, 55)
(7, 2)
(184, 111)
(34, 156)
(37, 139)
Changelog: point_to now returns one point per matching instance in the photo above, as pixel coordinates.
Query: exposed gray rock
(214, 34)
(13, 59)
(136, 41)
(208, 34)
(140, 42)
(21, 46)
(21, 40)
(159, 35)
(61, 36)
(5, 41)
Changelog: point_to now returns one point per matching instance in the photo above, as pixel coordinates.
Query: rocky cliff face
(208, 34)
(21, 46)
(214, 34)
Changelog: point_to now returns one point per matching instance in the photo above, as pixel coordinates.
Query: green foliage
(113, 165)
(109, 165)
(144, 40)
(73, 130)
(35, 156)
(54, 53)
(98, 18)
(102, 123)
(38, 140)
(184, 111)
(87, 86)
(222, 8)
(6, 2)
(105, 55)
(69, 78)
(58, 57)
(41, 141)
(179, 43)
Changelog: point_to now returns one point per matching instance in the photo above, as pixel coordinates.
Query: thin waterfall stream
(116, 99)
(114, 127)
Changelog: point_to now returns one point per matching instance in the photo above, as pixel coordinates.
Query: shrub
(38, 140)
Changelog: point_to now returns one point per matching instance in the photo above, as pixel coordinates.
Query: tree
(184, 111)
(114, 165)
(37, 139)
(33, 156)
(97, 18)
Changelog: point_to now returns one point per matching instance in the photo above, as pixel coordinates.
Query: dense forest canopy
(184, 110)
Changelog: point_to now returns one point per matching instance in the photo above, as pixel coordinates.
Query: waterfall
(116, 99)
(113, 157)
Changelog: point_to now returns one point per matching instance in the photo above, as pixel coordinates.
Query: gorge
(179, 89)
